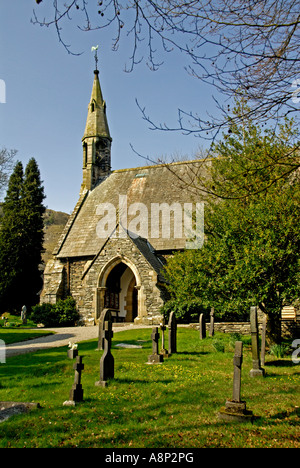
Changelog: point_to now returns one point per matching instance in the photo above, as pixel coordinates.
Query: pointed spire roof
(96, 124)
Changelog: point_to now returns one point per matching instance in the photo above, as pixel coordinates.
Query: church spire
(96, 124)
(96, 140)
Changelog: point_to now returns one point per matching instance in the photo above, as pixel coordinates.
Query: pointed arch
(102, 284)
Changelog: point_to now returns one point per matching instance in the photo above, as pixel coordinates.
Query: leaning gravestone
(104, 317)
(155, 357)
(107, 363)
(76, 393)
(172, 326)
(256, 370)
(202, 327)
(212, 322)
(235, 409)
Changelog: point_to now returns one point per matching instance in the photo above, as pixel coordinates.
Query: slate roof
(165, 183)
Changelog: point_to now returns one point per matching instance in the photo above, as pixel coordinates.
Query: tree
(21, 238)
(6, 162)
(33, 211)
(241, 48)
(251, 252)
(11, 239)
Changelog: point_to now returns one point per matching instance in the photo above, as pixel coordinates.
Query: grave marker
(107, 363)
(163, 350)
(202, 327)
(155, 357)
(172, 326)
(104, 317)
(76, 393)
(212, 322)
(256, 370)
(263, 340)
(235, 409)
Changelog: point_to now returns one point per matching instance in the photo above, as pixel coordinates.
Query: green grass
(10, 335)
(16, 331)
(174, 404)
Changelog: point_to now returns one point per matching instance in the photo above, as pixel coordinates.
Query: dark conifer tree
(21, 239)
(11, 239)
(33, 211)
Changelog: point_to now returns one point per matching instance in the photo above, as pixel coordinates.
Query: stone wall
(243, 328)
(289, 328)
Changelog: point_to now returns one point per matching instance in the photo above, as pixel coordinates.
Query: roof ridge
(176, 163)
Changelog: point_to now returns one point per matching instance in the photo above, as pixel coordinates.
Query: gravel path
(62, 337)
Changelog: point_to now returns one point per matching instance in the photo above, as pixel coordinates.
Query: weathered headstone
(104, 317)
(263, 341)
(24, 315)
(172, 326)
(212, 322)
(163, 350)
(76, 393)
(155, 357)
(202, 327)
(256, 366)
(107, 362)
(235, 409)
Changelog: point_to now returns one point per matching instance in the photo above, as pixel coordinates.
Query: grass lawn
(11, 335)
(14, 334)
(170, 405)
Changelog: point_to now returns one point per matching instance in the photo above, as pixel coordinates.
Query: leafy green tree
(21, 238)
(251, 252)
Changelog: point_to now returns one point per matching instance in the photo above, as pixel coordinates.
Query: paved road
(62, 337)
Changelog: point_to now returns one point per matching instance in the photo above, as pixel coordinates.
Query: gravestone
(24, 315)
(202, 327)
(104, 317)
(163, 350)
(107, 363)
(155, 357)
(256, 370)
(212, 322)
(76, 393)
(235, 409)
(263, 341)
(172, 326)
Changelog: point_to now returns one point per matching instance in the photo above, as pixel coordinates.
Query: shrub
(62, 314)
(67, 312)
(44, 313)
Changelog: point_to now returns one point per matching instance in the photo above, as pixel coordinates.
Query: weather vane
(95, 49)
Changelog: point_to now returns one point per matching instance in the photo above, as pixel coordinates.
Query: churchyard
(169, 404)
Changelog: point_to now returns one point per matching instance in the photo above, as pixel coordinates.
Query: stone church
(124, 226)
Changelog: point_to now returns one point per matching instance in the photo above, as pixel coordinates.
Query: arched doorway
(118, 291)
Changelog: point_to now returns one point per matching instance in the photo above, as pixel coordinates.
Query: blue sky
(48, 91)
